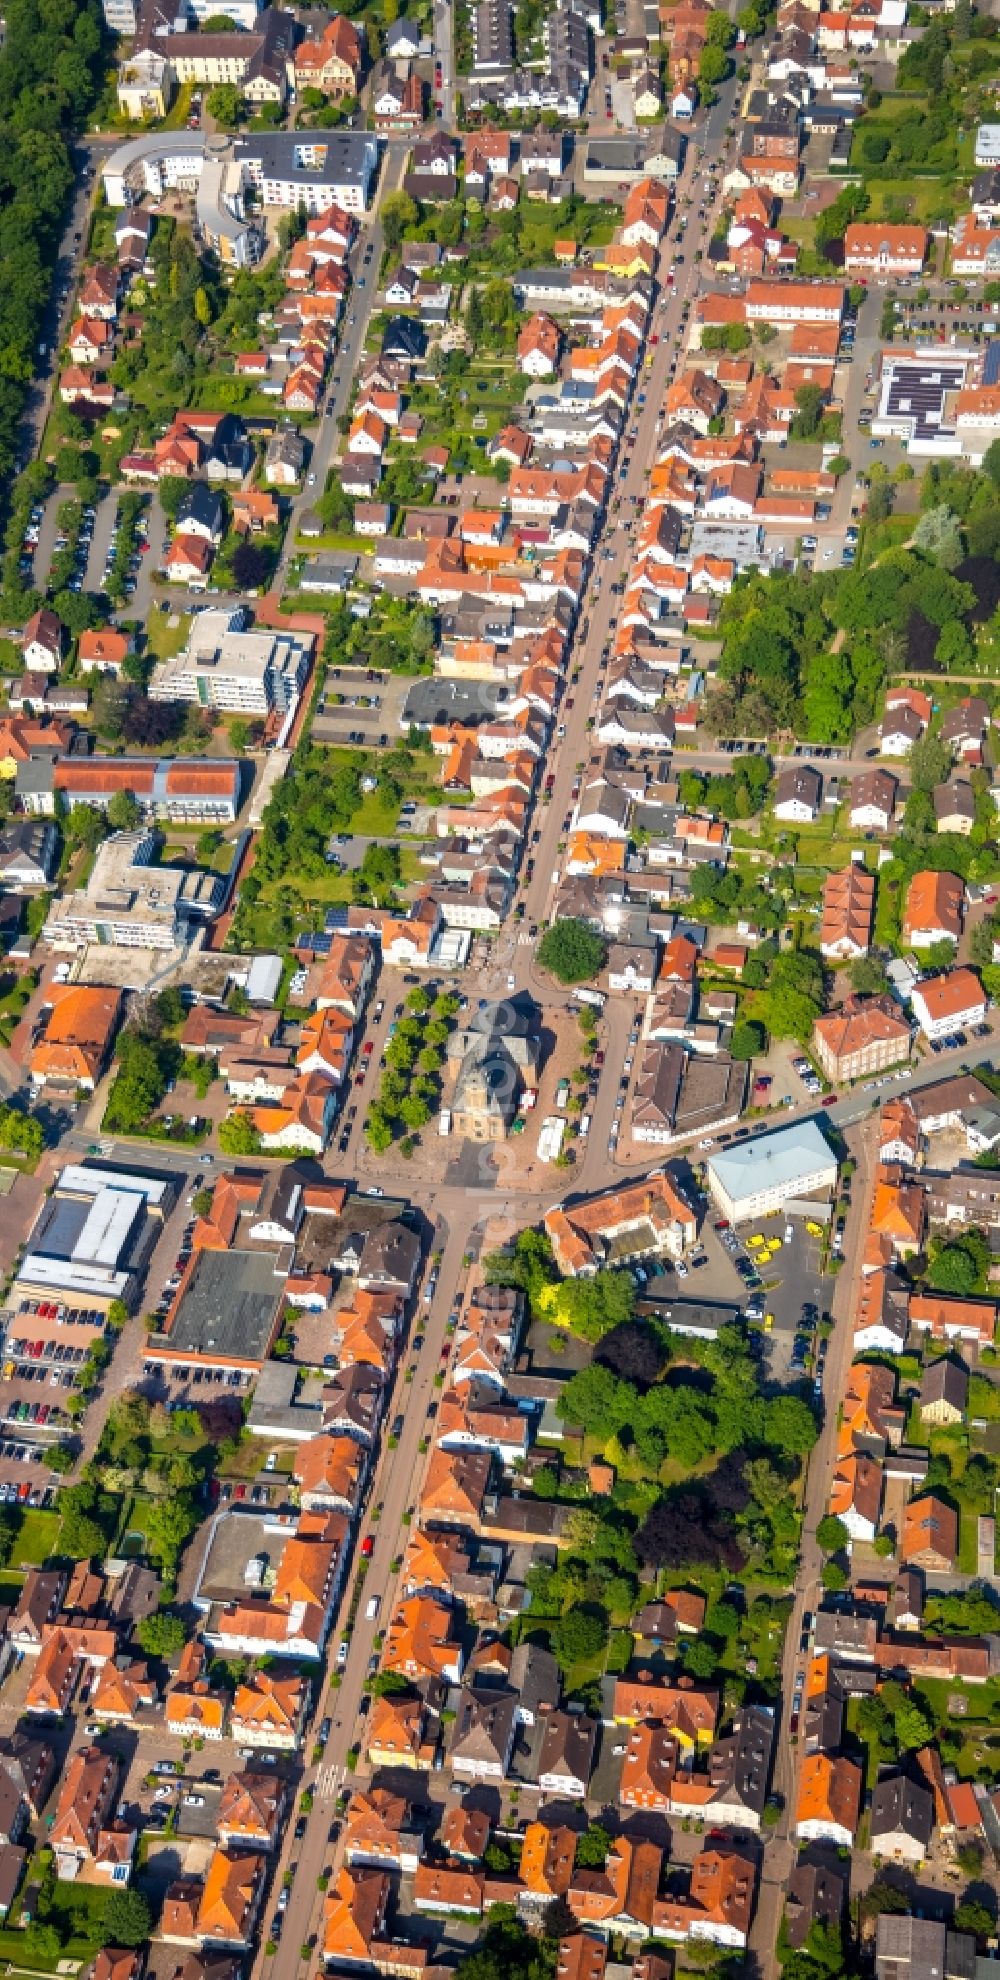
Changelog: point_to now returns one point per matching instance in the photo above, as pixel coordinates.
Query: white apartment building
(130, 903)
(234, 669)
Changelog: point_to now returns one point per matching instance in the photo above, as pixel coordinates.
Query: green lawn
(870, 1749)
(37, 1538)
(923, 199)
(164, 637)
(246, 1462)
(220, 391)
(13, 1955)
(134, 1528)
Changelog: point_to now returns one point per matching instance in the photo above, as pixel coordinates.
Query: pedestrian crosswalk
(327, 1782)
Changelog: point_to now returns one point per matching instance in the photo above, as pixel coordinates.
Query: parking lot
(361, 706)
(781, 1278)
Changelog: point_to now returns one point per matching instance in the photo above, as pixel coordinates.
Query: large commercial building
(130, 902)
(286, 169)
(91, 1245)
(772, 1171)
(238, 671)
(311, 169)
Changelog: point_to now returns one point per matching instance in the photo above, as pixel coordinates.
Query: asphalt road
(58, 315)
(600, 604)
(444, 52)
(325, 438)
(394, 1487)
(780, 1849)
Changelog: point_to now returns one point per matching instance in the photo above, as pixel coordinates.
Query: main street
(396, 1482)
(780, 1850)
(600, 604)
(394, 1487)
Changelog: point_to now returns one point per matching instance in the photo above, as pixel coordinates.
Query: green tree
(592, 1847)
(127, 1920)
(748, 1040)
(381, 871)
(832, 1534)
(237, 1134)
(378, 1130)
(22, 1132)
(579, 1637)
(789, 1426)
(714, 65)
(973, 1916)
(572, 951)
(169, 1524)
(139, 1087)
(123, 811)
(399, 213)
(86, 826)
(930, 763)
(701, 1659)
(162, 1634)
(952, 1270)
(868, 977)
(224, 105)
(809, 402)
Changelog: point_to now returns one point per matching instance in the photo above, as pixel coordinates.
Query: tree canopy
(572, 951)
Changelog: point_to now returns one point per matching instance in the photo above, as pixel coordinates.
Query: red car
(368, 1048)
(368, 1546)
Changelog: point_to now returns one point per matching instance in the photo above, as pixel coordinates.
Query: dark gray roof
(30, 840)
(903, 1806)
(568, 1745)
(534, 1676)
(946, 1380)
(922, 1949)
(349, 157)
(484, 1727)
(739, 1766)
(404, 337)
(816, 1893)
(201, 504)
(229, 1306)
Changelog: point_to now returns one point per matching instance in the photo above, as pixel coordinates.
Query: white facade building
(771, 1170)
(237, 671)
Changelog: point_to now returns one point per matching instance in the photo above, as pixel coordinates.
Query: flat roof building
(226, 665)
(129, 902)
(93, 1237)
(772, 1170)
(226, 1312)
